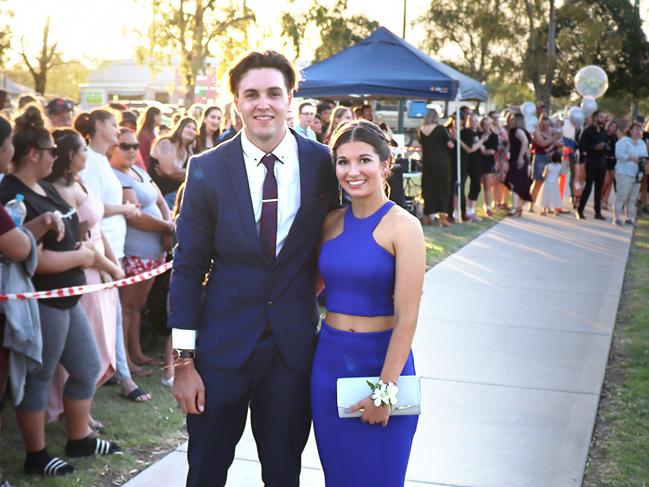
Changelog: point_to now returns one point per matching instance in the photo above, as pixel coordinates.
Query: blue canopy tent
(385, 66)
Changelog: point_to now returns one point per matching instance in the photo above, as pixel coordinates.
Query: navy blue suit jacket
(217, 234)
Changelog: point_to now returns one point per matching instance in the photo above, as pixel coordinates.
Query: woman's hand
(520, 163)
(86, 254)
(371, 413)
(167, 241)
(130, 210)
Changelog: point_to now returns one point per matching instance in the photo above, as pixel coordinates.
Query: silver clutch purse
(350, 390)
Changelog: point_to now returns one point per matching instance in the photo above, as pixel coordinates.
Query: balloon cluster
(528, 109)
(590, 82)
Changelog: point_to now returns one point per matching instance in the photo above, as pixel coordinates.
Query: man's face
(262, 101)
(61, 119)
(367, 114)
(307, 114)
(600, 119)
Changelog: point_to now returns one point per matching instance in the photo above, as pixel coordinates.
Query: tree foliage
(194, 30)
(535, 43)
(337, 29)
(482, 31)
(5, 32)
(39, 65)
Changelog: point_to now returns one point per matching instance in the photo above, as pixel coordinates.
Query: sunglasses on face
(124, 146)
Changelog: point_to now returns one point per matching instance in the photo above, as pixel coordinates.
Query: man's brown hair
(257, 60)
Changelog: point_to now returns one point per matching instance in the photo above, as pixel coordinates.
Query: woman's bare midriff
(359, 324)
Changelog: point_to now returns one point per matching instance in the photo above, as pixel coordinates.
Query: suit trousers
(595, 174)
(280, 412)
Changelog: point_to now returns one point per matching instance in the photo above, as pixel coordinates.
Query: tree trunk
(551, 55)
(40, 82)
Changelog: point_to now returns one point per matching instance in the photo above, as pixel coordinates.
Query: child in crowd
(551, 197)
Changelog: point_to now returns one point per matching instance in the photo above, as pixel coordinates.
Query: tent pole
(458, 124)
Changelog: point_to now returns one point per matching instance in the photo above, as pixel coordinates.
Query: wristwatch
(180, 353)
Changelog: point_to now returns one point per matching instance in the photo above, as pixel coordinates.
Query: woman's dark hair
(68, 141)
(5, 130)
(4, 96)
(146, 122)
(201, 140)
(369, 133)
(86, 123)
(176, 133)
(633, 124)
(257, 60)
(29, 133)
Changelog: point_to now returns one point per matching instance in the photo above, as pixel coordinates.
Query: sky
(94, 30)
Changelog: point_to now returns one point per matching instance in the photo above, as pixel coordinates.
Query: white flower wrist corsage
(383, 393)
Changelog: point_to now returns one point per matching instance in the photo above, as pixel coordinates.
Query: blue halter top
(358, 273)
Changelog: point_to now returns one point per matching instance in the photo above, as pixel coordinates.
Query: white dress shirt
(287, 173)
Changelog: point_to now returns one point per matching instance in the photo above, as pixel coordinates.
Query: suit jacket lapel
(241, 190)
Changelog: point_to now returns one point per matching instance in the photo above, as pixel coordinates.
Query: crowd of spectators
(499, 156)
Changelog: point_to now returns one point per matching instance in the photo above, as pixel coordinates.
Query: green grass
(148, 431)
(442, 242)
(619, 454)
(145, 432)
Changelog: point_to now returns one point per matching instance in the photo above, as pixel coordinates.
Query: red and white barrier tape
(89, 288)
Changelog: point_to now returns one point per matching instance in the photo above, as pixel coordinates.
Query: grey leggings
(67, 339)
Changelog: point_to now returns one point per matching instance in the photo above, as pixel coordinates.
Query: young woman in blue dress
(372, 262)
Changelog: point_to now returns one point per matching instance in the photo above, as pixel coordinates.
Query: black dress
(436, 171)
(518, 179)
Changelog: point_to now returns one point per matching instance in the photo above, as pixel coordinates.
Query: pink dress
(101, 310)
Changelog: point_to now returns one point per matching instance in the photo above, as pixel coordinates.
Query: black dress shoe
(580, 215)
(599, 216)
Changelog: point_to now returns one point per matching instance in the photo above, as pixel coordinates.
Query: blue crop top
(358, 273)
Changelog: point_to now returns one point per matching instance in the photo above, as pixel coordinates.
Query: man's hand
(600, 146)
(188, 388)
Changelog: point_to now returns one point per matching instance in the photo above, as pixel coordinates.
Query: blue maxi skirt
(354, 453)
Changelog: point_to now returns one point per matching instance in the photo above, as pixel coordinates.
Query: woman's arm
(15, 245)
(53, 262)
(165, 153)
(143, 221)
(410, 265)
(45, 222)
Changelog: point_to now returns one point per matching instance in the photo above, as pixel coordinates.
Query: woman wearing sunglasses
(148, 235)
(64, 326)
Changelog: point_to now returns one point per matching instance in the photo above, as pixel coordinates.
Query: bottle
(17, 210)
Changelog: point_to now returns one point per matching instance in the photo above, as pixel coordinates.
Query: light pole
(402, 102)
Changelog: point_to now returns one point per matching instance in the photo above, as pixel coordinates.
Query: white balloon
(588, 105)
(591, 81)
(568, 130)
(576, 117)
(528, 109)
(531, 122)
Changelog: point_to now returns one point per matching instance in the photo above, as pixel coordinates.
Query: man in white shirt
(251, 218)
(306, 113)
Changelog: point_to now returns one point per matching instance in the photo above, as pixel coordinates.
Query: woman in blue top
(148, 236)
(372, 263)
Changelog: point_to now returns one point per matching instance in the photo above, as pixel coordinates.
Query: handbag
(350, 390)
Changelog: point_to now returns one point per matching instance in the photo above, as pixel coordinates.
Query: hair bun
(31, 118)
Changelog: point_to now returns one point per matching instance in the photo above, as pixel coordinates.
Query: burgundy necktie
(268, 221)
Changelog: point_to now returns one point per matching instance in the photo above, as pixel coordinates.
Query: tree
(337, 30)
(39, 66)
(482, 31)
(193, 30)
(540, 58)
(5, 33)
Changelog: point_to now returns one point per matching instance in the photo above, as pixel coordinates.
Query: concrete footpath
(512, 344)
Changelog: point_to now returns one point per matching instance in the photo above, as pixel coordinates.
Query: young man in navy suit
(251, 218)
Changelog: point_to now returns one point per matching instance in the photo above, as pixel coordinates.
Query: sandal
(136, 395)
